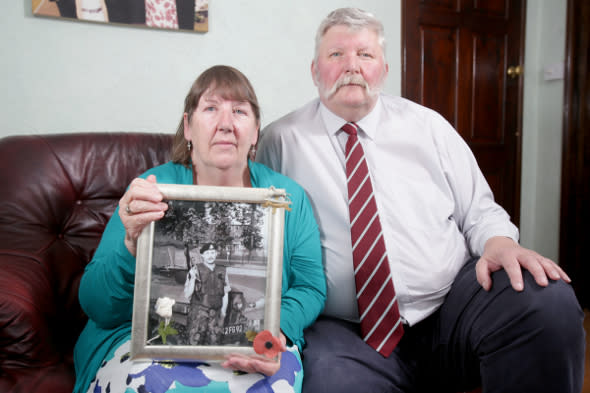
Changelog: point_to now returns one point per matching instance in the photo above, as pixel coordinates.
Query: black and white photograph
(210, 263)
(210, 258)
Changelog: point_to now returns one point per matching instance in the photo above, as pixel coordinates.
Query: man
(444, 240)
(207, 288)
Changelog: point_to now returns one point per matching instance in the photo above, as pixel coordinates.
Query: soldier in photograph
(207, 288)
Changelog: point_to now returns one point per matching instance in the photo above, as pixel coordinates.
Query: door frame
(575, 176)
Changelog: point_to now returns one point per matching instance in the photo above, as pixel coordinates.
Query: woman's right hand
(256, 363)
(139, 206)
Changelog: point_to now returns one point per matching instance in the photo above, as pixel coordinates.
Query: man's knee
(557, 309)
(537, 339)
(537, 320)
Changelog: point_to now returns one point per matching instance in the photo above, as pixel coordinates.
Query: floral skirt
(120, 374)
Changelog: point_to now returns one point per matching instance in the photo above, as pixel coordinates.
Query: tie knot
(350, 129)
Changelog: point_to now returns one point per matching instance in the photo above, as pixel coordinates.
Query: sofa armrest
(59, 378)
(27, 311)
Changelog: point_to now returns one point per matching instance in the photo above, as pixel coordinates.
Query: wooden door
(460, 58)
(575, 175)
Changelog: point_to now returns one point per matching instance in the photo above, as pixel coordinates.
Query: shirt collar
(368, 124)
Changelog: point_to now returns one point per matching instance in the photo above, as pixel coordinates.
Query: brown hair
(227, 82)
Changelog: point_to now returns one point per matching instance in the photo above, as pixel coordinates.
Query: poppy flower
(266, 344)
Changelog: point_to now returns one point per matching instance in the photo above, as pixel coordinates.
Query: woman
(218, 131)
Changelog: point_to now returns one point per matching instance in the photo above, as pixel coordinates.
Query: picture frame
(185, 15)
(176, 313)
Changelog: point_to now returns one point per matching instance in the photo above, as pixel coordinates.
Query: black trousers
(502, 340)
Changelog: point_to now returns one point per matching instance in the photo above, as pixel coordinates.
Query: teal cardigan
(106, 288)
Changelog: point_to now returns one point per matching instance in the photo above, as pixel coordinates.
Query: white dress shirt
(436, 208)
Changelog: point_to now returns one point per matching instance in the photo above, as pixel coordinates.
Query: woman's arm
(106, 287)
(304, 281)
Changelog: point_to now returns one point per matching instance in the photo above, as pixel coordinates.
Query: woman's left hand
(256, 363)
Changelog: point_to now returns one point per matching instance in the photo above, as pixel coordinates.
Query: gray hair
(354, 19)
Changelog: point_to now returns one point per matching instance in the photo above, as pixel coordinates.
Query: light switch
(553, 72)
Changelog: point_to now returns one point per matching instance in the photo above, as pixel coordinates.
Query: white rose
(164, 308)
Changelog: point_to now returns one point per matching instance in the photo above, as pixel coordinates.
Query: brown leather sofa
(58, 192)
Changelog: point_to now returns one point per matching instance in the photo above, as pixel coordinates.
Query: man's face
(349, 71)
(209, 256)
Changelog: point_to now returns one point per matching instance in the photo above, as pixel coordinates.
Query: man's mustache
(348, 79)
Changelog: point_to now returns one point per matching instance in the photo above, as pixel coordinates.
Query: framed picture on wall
(191, 15)
(208, 274)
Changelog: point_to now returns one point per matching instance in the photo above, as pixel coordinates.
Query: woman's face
(222, 132)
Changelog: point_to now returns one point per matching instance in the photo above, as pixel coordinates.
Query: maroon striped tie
(381, 325)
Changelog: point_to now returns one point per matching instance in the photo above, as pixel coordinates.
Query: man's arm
(485, 225)
(189, 284)
(225, 299)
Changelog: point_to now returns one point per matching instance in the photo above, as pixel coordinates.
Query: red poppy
(266, 344)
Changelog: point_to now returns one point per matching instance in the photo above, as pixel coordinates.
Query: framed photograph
(184, 15)
(208, 274)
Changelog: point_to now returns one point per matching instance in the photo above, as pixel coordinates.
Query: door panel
(440, 44)
(487, 90)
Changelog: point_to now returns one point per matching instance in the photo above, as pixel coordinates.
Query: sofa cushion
(59, 191)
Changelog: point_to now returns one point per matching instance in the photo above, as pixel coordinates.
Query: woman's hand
(256, 363)
(140, 205)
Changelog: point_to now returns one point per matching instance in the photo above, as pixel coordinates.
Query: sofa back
(58, 192)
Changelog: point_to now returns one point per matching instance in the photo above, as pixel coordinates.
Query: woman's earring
(252, 153)
(189, 145)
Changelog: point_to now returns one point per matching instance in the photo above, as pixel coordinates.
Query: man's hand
(505, 253)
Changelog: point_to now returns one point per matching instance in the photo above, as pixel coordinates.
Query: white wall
(542, 127)
(68, 76)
